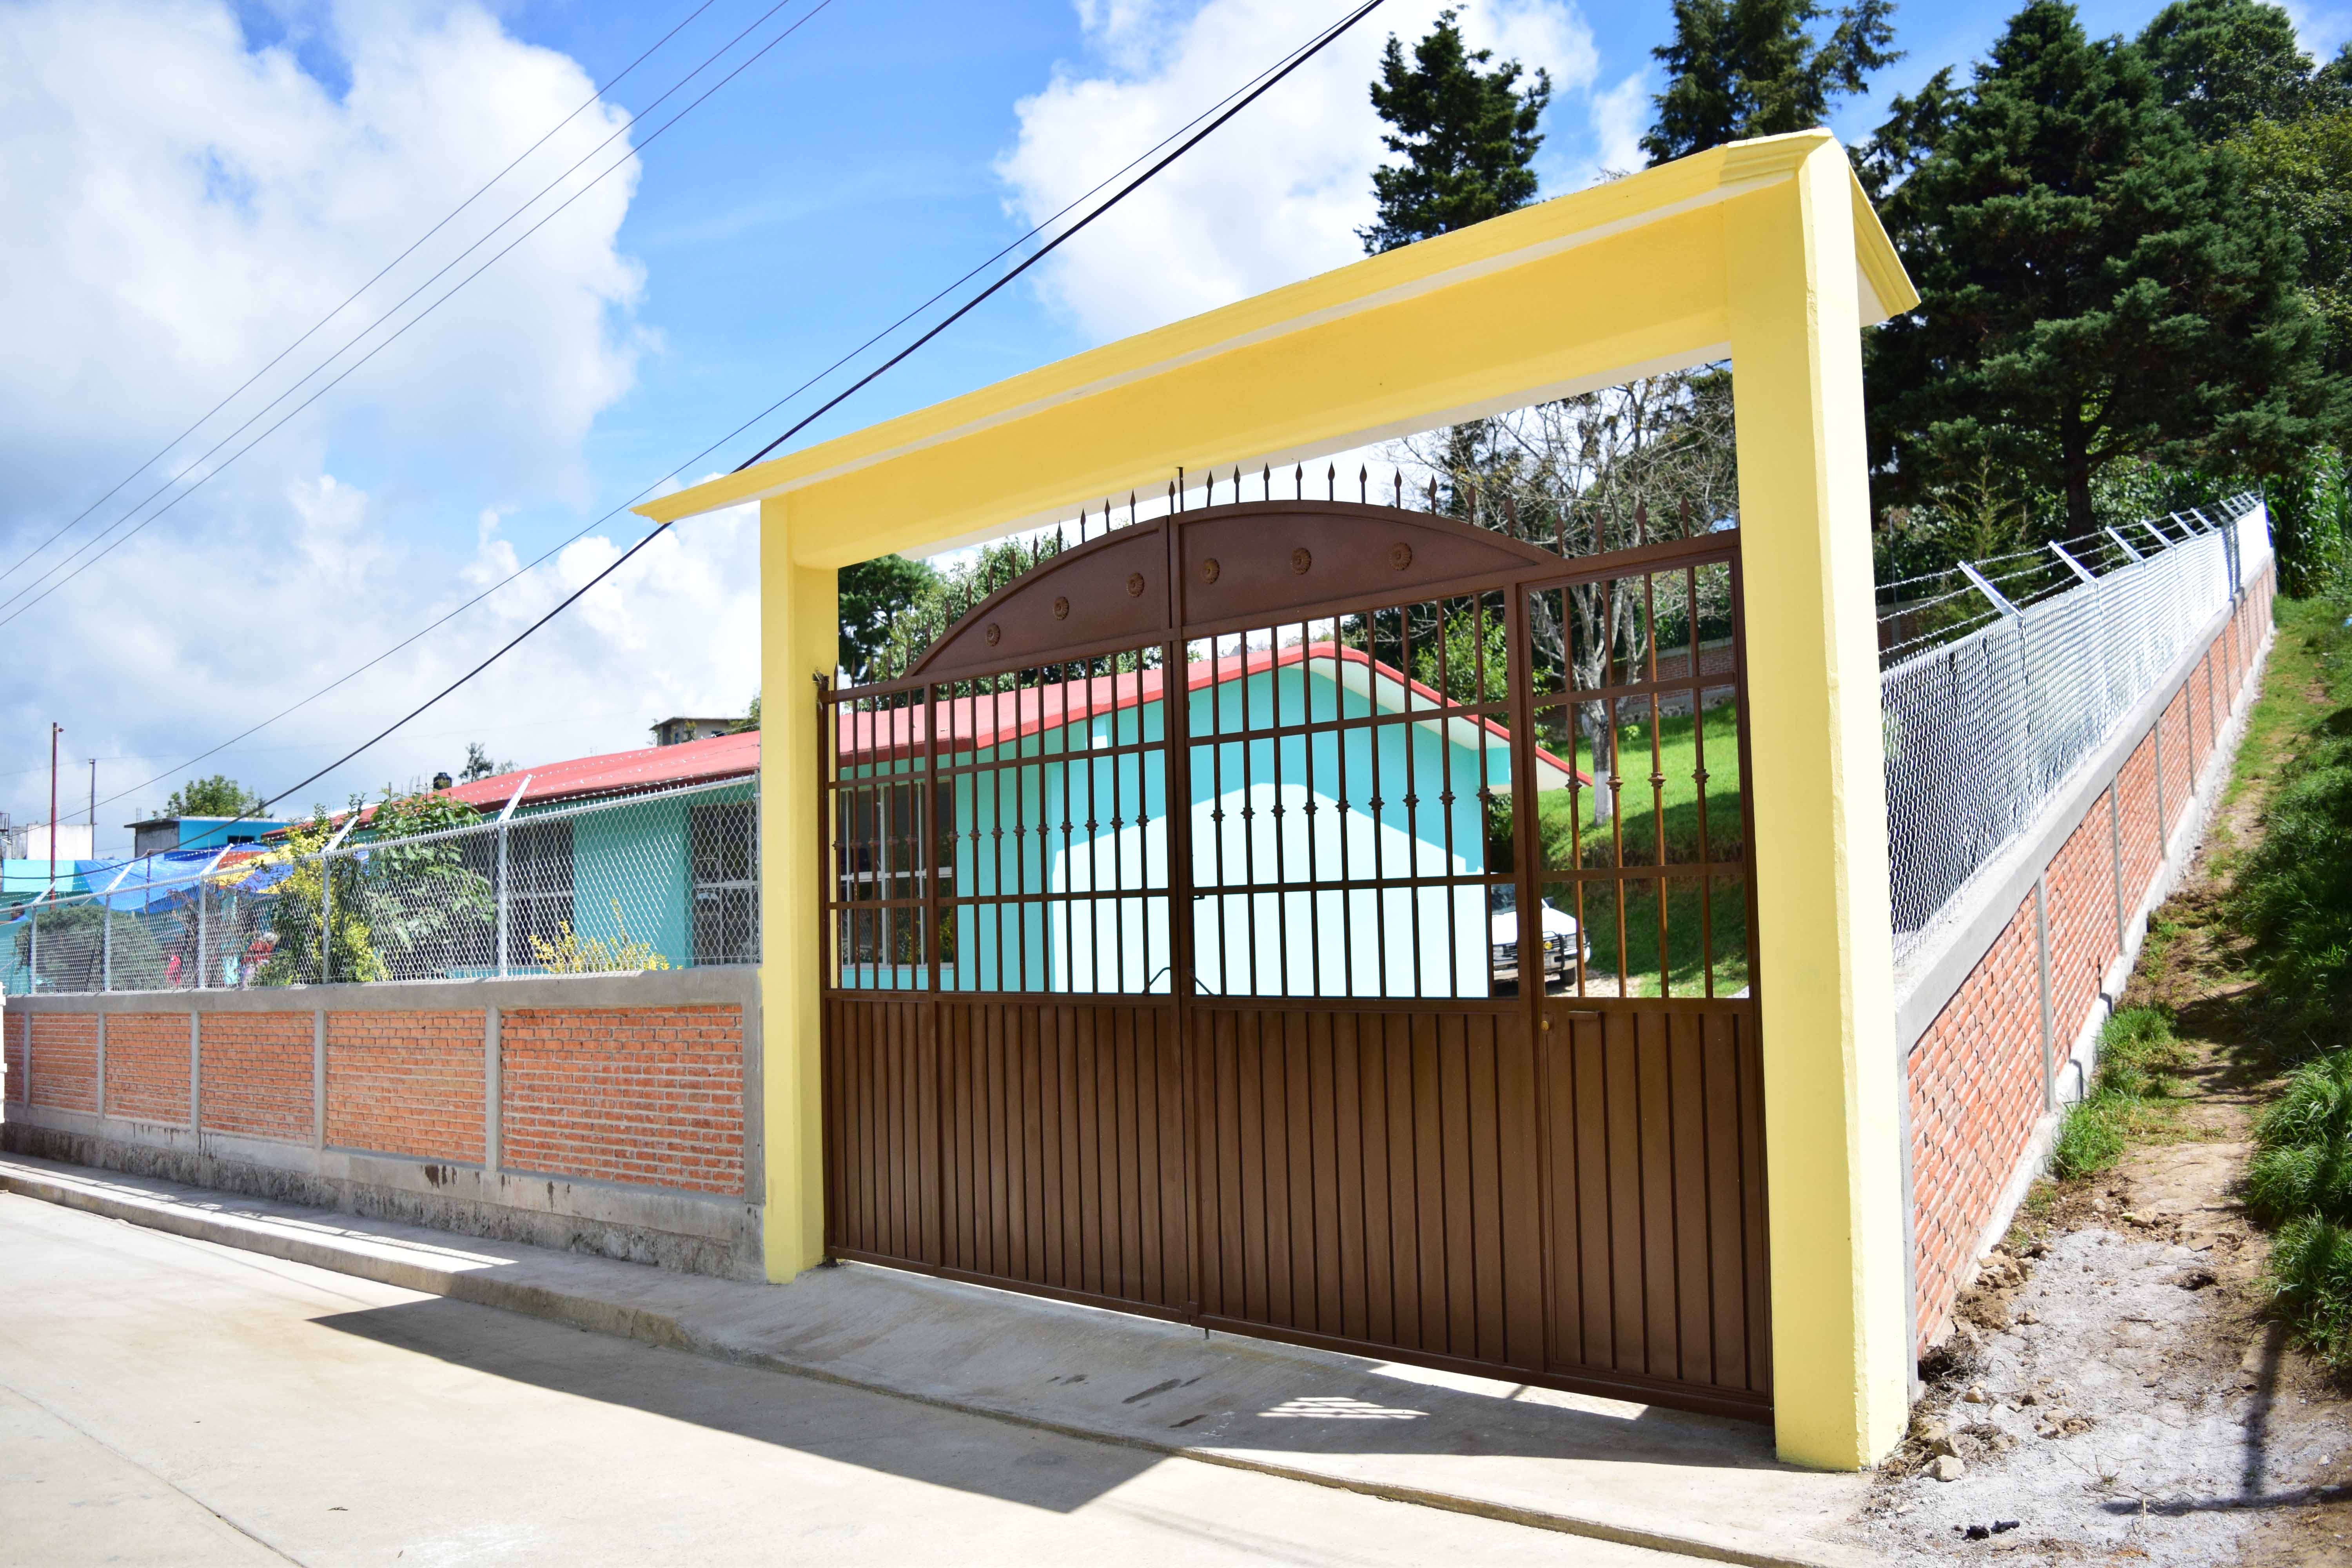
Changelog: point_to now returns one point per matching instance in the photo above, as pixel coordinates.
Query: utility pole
(56, 730)
(93, 808)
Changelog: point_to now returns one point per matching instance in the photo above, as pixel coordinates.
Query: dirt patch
(2112, 1391)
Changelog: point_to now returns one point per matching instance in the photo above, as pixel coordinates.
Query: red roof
(619, 772)
(616, 773)
(1010, 716)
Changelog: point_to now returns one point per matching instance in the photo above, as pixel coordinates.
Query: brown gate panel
(881, 1127)
(1063, 1139)
(1654, 1125)
(1366, 1177)
(1323, 922)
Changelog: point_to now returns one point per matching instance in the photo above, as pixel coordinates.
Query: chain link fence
(1999, 677)
(666, 880)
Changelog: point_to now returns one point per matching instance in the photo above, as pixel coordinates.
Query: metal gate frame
(890, 1057)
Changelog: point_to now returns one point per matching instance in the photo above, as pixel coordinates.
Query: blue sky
(187, 184)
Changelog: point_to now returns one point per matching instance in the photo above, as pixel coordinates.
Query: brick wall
(257, 1074)
(405, 1083)
(64, 1062)
(1977, 1088)
(634, 1095)
(1976, 1093)
(147, 1066)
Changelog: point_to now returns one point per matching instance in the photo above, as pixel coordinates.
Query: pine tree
(2223, 65)
(2093, 285)
(872, 595)
(1751, 67)
(1467, 135)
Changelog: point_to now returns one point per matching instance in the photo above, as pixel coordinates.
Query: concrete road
(166, 1401)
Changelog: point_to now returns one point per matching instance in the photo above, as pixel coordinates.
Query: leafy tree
(2095, 285)
(750, 719)
(479, 764)
(1466, 135)
(218, 796)
(2223, 65)
(1753, 68)
(874, 595)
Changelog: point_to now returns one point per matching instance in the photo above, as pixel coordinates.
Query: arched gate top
(1225, 568)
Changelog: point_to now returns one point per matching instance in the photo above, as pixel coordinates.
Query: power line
(542, 558)
(401, 330)
(450, 217)
(1366, 9)
(1298, 59)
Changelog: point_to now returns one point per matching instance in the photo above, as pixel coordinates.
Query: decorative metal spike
(1265, 481)
(1130, 509)
(1364, 484)
(1331, 478)
(1400, 489)
(1298, 482)
(1177, 492)
(1433, 492)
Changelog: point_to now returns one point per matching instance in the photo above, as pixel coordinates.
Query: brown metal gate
(1177, 907)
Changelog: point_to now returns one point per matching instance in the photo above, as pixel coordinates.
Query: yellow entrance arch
(1763, 252)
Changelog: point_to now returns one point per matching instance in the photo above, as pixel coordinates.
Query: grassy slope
(2269, 926)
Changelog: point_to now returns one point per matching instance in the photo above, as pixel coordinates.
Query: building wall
(601, 1113)
(1989, 1071)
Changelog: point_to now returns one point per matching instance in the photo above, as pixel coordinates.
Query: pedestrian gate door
(1320, 921)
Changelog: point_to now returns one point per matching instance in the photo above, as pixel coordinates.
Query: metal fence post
(503, 897)
(326, 916)
(202, 931)
(33, 968)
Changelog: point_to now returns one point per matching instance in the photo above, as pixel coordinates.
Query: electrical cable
(565, 543)
(450, 217)
(401, 330)
(1366, 9)
(1300, 58)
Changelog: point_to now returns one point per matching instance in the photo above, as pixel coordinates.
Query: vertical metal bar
(1313, 807)
(204, 958)
(929, 828)
(327, 915)
(506, 898)
(1698, 784)
(1526, 840)
(1412, 795)
(32, 981)
(1376, 801)
(1657, 778)
(1445, 802)
(1249, 817)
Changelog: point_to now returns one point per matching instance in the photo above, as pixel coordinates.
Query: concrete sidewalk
(1598, 1467)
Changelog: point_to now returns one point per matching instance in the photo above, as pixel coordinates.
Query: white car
(1564, 946)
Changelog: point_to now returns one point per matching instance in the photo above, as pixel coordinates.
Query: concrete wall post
(494, 1093)
(800, 638)
(319, 1078)
(196, 1076)
(2041, 972)
(101, 1066)
(1824, 959)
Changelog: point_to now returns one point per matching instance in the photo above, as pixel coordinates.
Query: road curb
(356, 1257)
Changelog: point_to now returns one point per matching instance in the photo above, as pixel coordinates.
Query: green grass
(2290, 902)
(2133, 1095)
(1696, 924)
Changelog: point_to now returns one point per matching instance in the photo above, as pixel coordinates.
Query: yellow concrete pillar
(799, 631)
(1825, 949)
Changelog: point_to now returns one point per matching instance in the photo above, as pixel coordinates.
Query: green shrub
(2311, 1278)
(2091, 1137)
(2316, 1107)
(2284, 1184)
(2293, 893)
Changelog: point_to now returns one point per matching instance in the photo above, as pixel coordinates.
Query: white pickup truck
(1564, 946)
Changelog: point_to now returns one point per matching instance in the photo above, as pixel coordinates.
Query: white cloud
(2321, 30)
(1619, 117)
(1276, 194)
(175, 207)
